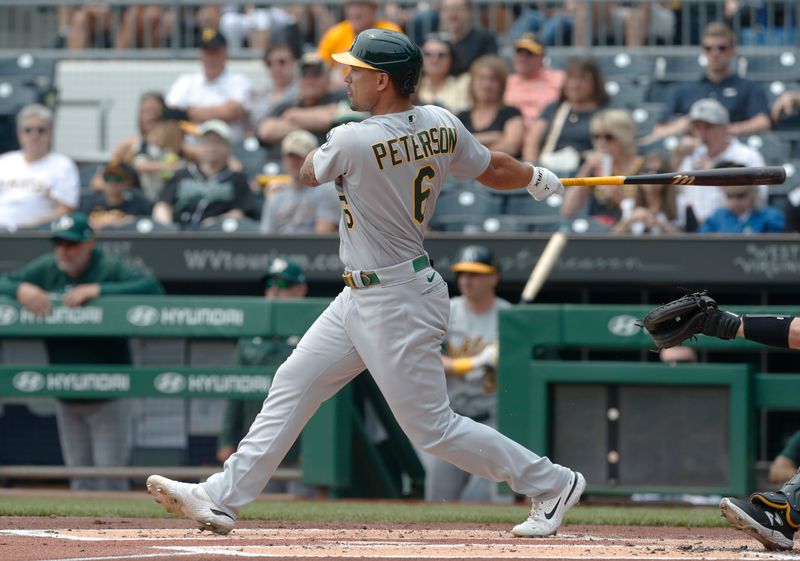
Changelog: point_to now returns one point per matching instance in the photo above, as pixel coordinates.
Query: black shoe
(765, 524)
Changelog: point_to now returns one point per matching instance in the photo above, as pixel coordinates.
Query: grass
(365, 511)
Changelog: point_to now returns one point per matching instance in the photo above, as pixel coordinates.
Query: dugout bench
(635, 425)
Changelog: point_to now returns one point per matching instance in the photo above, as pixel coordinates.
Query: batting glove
(544, 183)
(487, 357)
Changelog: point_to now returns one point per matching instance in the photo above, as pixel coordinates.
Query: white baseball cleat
(191, 500)
(547, 516)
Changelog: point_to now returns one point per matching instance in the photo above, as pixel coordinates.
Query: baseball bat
(545, 263)
(768, 175)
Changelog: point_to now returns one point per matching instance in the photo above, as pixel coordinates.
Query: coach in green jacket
(91, 432)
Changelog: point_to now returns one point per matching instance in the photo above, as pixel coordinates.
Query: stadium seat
(782, 65)
(626, 66)
(646, 115)
(659, 92)
(624, 94)
(230, 225)
(539, 215)
(86, 171)
(146, 226)
(39, 72)
(14, 94)
(775, 150)
(464, 209)
(252, 155)
(679, 67)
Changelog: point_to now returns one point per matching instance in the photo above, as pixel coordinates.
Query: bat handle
(592, 181)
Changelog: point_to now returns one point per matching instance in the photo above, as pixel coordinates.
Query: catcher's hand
(671, 324)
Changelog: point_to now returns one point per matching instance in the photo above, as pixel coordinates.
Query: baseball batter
(392, 315)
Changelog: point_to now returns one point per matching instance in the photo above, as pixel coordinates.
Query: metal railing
(169, 28)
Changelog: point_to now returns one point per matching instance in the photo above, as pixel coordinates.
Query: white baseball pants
(394, 329)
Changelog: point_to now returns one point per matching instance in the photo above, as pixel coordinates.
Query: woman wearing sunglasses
(614, 153)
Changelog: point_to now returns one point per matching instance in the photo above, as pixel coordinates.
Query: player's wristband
(767, 330)
(461, 366)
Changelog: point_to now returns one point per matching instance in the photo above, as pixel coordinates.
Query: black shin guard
(768, 330)
(786, 499)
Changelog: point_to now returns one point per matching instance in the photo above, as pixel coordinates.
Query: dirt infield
(87, 539)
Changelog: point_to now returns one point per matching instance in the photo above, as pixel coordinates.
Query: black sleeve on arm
(767, 330)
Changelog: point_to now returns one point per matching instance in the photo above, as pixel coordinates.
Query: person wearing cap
(358, 16)
(470, 357)
(710, 144)
(294, 208)
(215, 92)
(118, 202)
(37, 185)
(75, 272)
(283, 280)
(745, 100)
(533, 85)
(315, 108)
(208, 191)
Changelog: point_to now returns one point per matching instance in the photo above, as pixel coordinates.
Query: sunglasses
(280, 283)
(604, 136)
(112, 178)
(435, 54)
(29, 130)
(739, 195)
(719, 48)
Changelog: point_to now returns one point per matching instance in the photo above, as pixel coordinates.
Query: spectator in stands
(256, 27)
(294, 208)
(192, 23)
(358, 16)
(533, 85)
(208, 191)
(215, 92)
(87, 26)
(140, 27)
(37, 185)
(92, 432)
(615, 153)
(786, 105)
(559, 137)
(151, 108)
(470, 360)
(655, 208)
(284, 86)
(496, 125)
(283, 280)
(742, 214)
(162, 153)
(785, 464)
(745, 100)
(314, 110)
(710, 145)
(677, 355)
(118, 202)
(469, 42)
(440, 84)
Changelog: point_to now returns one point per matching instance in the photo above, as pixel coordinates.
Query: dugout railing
(351, 447)
(579, 383)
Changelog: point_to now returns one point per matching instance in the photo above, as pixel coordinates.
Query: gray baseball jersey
(467, 335)
(392, 168)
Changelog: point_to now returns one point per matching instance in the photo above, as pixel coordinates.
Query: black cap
(211, 38)
(474, 259)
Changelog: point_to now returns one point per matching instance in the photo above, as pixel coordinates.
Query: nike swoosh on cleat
(550, 514)
(220, 513)
(430, 278)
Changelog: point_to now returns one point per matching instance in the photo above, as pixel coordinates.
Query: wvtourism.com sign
(102, 383)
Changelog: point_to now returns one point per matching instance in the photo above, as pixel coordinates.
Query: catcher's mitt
(671, 324)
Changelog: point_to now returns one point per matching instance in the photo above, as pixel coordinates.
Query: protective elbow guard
(768, 330)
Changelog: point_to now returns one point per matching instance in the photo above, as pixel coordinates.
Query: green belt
(368, 278)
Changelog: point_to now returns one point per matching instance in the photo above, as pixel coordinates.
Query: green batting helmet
(386, 51)
(474, 259)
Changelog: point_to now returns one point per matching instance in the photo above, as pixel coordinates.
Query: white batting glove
(487, 357)
(543, 183)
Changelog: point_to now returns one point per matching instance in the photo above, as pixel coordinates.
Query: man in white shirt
(36, 185)
(709, 146)
(215, 92)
